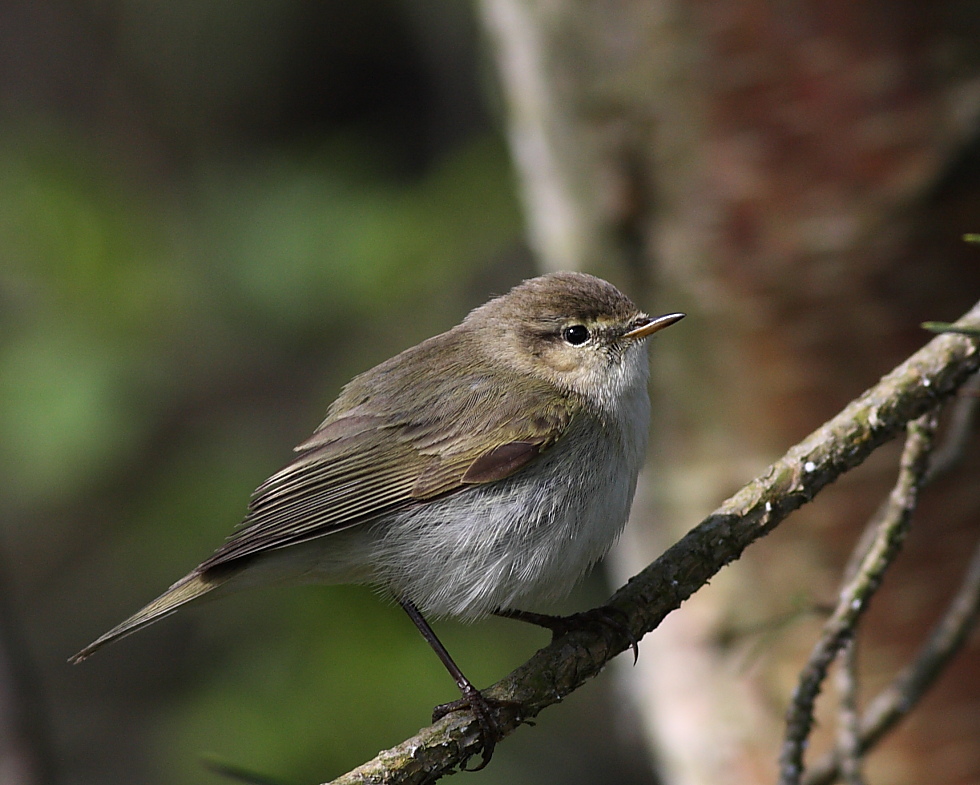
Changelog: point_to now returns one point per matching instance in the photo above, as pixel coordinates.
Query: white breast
(528, 538)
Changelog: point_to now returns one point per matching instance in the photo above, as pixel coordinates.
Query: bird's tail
(187, 589)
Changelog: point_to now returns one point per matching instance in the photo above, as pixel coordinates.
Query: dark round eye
(576, 334)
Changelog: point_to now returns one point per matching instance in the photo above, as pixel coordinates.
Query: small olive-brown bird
(483, 469)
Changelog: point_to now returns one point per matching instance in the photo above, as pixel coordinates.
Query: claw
(483, 709)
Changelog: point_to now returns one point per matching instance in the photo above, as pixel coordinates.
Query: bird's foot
(605, 615)
(483, 709)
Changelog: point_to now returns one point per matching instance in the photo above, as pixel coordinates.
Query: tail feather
(187, 589)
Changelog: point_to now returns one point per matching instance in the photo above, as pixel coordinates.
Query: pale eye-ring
(576, 334)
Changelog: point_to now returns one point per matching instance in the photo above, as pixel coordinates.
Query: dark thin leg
(613, 618)
(472, 697)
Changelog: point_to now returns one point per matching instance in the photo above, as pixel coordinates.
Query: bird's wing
(359, 465)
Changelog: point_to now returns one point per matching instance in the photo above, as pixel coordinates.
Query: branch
(849, 732)
(915, 387)
(857, 593)
(901, 696)
(853, 737)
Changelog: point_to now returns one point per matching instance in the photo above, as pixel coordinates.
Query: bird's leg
(610, 617)
(472, 698)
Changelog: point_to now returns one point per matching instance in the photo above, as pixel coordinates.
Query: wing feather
(361, 464)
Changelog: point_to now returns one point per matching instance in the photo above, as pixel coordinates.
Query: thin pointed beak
(647, 325)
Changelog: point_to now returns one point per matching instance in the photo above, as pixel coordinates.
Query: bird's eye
(576, 334)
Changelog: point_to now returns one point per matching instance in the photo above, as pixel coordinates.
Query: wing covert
(360, 465)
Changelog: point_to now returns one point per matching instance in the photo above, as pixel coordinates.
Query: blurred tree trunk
(796, 176)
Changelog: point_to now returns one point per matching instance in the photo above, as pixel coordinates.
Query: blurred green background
(213, 214)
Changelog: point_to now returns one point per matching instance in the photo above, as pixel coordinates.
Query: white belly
(522, 540)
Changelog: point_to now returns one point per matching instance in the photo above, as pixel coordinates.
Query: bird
(482, 470)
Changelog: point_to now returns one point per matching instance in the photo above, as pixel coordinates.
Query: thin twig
(962, 413)
(917, 386)
(849, 726)
(901, 696)
(856, 595)
(946, 455)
